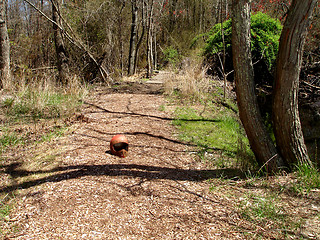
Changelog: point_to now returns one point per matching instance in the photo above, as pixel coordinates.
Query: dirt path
(157, 192)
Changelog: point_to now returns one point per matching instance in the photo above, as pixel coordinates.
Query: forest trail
(73, 188)
(158, 192)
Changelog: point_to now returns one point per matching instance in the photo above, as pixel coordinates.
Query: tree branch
(77, 42)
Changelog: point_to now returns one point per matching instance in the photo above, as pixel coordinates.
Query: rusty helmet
(119, 145)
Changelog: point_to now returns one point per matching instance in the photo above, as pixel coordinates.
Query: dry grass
(191, 80)
(41, 97)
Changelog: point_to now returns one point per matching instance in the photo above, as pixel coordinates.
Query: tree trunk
(120, 33)
(172, 15)
(62, 58)
(144, 14)
(5, 73)
(133, 38)
(260, 141)
(149, 40)
(286, 119)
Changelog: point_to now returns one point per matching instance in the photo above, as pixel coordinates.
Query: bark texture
(5, 73)
(62, 57)
(286, 119)
(133, 38)
(260, 141)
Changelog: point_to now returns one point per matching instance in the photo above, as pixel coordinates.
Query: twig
(43, 68)
(310, 85)
(268, 161)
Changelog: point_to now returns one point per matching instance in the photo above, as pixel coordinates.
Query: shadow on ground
(130, 170)
(150, 116)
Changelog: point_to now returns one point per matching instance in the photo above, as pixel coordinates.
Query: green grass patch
(4, 211)
(262, 209)
(34, 105)
(162, 108)
(57, 131)
(222, 133)
(9, 139)
(6, 205)
(267, 210)
(308, 178)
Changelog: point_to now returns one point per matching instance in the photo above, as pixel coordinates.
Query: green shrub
(265, 34)
(171, 55)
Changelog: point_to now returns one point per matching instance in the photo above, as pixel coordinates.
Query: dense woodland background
(106, 29)
(74, 72)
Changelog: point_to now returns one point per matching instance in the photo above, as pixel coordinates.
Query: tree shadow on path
(148, 115)
(129, 170)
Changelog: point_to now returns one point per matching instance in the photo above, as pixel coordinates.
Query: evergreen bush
(265, 34)
(171, 55)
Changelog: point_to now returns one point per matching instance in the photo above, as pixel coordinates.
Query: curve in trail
(158, 192)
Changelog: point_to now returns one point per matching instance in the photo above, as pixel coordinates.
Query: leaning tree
(259, 139)
(287, 126)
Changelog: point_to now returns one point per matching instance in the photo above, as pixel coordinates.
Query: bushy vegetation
(171, 55)
(265, 34)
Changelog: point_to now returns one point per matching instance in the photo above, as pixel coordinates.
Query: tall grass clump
(42, 99)
(189, 82)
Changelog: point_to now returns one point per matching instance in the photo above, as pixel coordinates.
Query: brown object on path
(119, 146)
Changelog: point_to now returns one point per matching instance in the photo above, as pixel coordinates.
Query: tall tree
(133, 37)
(172, 15)
(149, 39)
(120, 34)
(260, 141)
(5, 73)
(62, 57)
(286, 119)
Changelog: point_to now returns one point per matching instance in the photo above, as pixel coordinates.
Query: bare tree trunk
(5, 73)
(149, 40)
(62, 58)
(286, 119)
(154, 48)
(120, 35)
(259, 139)
(133, 38)
(172, 16)
(144, 14)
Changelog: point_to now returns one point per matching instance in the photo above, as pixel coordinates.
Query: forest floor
(73, 188)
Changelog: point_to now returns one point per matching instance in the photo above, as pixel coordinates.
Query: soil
(159, 191)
